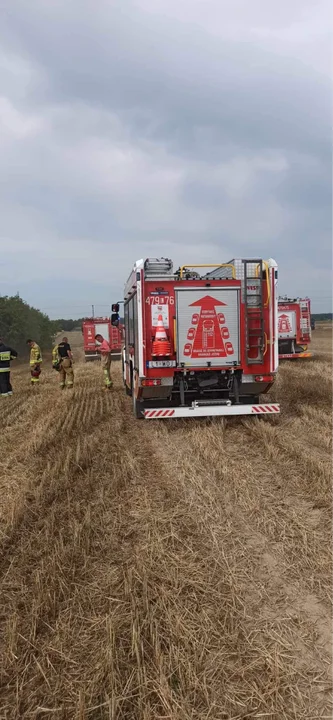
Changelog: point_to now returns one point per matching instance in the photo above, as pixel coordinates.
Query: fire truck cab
(202, 340)
(294, 328)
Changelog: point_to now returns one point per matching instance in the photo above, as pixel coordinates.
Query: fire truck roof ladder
(254, 320)
(305, 319)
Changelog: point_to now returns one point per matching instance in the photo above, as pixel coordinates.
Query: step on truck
(101, 326)
(202, 340)
(294, 328)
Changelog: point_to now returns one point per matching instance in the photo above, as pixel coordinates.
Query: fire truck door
(286, 324)
(207, 326)
(102, 329)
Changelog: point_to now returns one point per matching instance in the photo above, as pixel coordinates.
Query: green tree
(19, 321)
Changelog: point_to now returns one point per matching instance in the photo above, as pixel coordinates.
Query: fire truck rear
(294, 328)
(201, 341)
(101, 326)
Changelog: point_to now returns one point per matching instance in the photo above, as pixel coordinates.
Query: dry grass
(172, 570)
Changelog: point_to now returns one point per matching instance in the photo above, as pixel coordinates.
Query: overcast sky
(194, 129)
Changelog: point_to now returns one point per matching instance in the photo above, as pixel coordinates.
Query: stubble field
(174, 570)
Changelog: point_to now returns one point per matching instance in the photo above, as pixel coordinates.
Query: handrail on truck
(266, 266)
(187, 267)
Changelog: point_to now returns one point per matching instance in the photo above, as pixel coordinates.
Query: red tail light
(151, 383)
(264, 378)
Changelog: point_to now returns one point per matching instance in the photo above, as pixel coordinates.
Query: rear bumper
(211, 411)
(115, 355)
(91, 356)
(295, 356)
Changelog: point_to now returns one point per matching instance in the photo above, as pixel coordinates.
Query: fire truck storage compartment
(207, 321)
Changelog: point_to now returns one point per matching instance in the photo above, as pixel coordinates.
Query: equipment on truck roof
(202, 340)
(294, 328)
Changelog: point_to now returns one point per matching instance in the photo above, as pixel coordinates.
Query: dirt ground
(165, 570)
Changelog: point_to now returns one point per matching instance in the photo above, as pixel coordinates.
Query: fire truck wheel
(127, 389)
(137, 408)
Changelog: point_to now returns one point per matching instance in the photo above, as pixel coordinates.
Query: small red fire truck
(101, 325)
(202, 340)
(294, 328)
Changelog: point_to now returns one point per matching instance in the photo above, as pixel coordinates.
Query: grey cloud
(308, 183)
(201, 124)
(181, 76)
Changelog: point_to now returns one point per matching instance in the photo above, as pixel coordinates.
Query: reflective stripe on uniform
(6, 369)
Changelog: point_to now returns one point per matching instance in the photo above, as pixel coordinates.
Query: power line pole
(93, 310)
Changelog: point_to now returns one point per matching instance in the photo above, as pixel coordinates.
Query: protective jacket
(35, 355)
(56, 358)
(104, 348)
(6, 355)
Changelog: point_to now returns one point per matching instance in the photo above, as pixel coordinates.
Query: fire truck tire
(127, 389)
(137, 408)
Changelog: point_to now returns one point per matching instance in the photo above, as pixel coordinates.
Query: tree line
(19, 321)
(322, 316)
(69, 325)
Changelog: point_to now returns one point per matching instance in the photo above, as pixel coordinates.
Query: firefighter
(6, 355)
(105, 350)
(35, 362)
(55, 358)
(62, 354)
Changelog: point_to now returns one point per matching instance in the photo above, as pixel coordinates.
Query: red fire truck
(294, 328)
(202, 340)
(101, 325)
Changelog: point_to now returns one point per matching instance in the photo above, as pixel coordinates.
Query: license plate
(162, 363)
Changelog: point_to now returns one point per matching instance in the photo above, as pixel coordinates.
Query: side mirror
(114, 318)
(115, 308)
